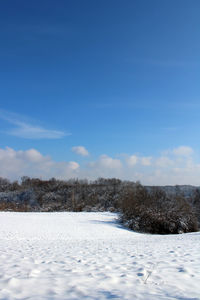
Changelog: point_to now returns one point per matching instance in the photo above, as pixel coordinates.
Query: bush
(154, 212)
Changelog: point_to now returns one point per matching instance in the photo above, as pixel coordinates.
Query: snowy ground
(89, 256)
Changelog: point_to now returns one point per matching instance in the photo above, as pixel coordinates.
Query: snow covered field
(89, 256)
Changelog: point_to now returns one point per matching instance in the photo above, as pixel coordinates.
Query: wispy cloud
(26, 130)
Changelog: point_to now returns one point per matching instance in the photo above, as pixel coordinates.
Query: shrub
(154, 212)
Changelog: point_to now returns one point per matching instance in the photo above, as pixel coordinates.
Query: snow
(90, 256)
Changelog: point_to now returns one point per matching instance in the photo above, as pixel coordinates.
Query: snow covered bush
(195, 200)
(153, 211)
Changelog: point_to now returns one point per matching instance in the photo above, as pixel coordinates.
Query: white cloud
(183, 151)
(80, 150)
(73, 165)
(146, 161)
(105, 162)
(164, 162)
(109, 162)
(104, 166)
(132, 160)
(26, 130)
(31, 155)
(15, 164)
(162, 170)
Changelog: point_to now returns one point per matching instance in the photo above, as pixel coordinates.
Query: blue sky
(118, 78)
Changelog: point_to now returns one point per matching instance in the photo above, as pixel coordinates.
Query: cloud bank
(15, 164)
(176, 166)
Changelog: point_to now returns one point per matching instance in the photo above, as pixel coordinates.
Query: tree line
(145, 209)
